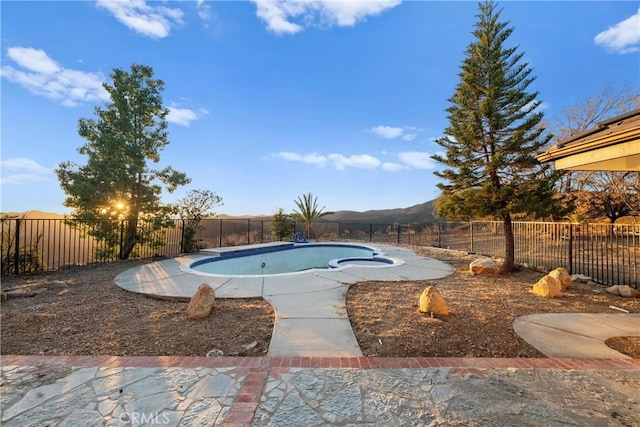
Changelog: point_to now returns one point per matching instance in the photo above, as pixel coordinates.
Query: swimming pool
(288, 258)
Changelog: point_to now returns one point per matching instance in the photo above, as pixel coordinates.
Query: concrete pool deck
(311, 316)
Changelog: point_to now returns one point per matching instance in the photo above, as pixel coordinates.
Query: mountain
(420, 213)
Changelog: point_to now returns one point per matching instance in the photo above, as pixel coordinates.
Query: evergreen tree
(493, 136)
(117, 185)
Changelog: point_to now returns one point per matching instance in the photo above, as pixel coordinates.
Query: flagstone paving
(308, 391)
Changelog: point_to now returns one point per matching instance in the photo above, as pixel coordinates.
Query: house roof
(612, 145)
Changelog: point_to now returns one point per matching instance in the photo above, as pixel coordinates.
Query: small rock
(580, 278)
(15, 293)
(67, 331)
(3, 297)
(623, 291)
(562, 275)
(215, 353)
(57, 284)
(484, 265)
(547, 287)
(201, 303)
(432, 301)
(250, 345)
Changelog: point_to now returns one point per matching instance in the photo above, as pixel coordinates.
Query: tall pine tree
(493, 136)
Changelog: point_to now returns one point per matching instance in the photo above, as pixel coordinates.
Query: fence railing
(610, 254)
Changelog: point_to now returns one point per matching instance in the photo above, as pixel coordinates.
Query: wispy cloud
(151, 21)
(402, 161)
(43, 76)
(24, 171)
(388, 132)
(408, 133)
(184, 116)
(292, 16)
(360, 161)
(623, 37)
(416, 159)
(204, 10)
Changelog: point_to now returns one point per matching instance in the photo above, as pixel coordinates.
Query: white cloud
(279, 15)
(204, 10)
(361, 161)
(416, 159)
(393, 167)
(28, 170)
(184, 116)
(150, 21)
(43, 76)
(405, 160)
(387, 131)
(624, 37)
(408, 133)
(312, 158)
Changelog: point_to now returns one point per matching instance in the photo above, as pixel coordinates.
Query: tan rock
(562, 275)
(202, 302)
(432, 301)
(547, 287)
(484, 265)
(623, 291)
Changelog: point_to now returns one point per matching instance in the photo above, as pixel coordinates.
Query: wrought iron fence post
(220, 234)
(16, 260)
(262, 231)
(370, 232)
(570, 248)
(182, 238)
(248, 231)
(399, 233)
(471, 230)
(121, 238)
(439, 236)
(409, 231)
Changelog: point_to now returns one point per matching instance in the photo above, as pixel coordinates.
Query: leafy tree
(117, 185)
(195, 206)
(282, 225)
(493, 135)
(308, 211)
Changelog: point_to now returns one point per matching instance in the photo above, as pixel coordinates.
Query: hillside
(414, 214)
(417, 214)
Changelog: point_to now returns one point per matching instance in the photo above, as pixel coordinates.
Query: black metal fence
(608, 253)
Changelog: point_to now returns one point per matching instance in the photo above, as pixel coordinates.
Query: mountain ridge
(419, 213)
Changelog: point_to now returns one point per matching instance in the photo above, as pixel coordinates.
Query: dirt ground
(92, 316)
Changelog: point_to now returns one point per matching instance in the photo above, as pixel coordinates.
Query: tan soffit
(613, 145)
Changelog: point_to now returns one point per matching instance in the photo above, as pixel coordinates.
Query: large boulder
(547, 287)
(432, 301)
(562, 275)
(484, 265)
(202, 302)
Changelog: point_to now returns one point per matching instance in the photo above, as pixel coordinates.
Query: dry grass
(386, 320)
(94, 317)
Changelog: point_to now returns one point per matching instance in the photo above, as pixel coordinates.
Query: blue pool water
(289, 258)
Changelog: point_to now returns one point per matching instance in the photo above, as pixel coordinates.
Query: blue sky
(271, 100)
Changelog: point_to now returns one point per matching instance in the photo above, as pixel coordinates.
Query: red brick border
(265, 364)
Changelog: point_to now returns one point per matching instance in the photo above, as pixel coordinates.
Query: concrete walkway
(311, 316)
(578, 335)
